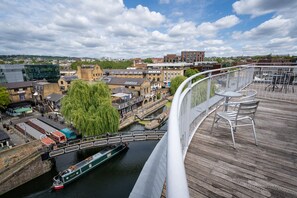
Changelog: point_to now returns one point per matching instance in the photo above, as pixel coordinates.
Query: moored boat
(77, 170)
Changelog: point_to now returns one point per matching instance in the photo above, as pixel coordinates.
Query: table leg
(226, 102)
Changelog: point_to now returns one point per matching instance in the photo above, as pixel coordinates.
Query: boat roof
(58, 134)
(47, 141)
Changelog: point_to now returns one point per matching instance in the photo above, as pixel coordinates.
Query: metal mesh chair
(245, 111)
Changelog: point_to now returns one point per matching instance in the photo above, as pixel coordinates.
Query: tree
(191, 72)
(148, 60)
(105, 64)
(175, 83)
(4, 97)
(89, 108)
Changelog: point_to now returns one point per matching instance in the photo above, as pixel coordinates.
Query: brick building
(89, 72)
(192, 56)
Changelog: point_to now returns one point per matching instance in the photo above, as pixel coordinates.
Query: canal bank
(115, 178)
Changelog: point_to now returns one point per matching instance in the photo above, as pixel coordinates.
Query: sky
(147, 28)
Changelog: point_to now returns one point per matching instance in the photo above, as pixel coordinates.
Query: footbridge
(105, 140)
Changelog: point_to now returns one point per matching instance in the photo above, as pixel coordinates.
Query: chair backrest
(247, 108)
(248, 94)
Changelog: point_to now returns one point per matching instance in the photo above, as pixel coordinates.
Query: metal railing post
(208, 91)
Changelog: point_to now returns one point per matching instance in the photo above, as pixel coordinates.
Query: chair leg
(254, 130)
(213, 122)
(232, 133)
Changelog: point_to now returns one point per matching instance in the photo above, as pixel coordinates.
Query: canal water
(114, 178)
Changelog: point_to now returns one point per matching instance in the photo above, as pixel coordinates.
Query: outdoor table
(228, 95)
(276, 79)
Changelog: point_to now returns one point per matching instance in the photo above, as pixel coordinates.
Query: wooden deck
(215, 169)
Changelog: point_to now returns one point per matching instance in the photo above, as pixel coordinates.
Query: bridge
(105, 140)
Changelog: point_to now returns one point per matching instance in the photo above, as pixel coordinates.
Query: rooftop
(69, 78)
(15, 85)
(54, 97)
(123, 81)
(181, 64)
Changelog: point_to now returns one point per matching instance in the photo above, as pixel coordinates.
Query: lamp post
(35, 96)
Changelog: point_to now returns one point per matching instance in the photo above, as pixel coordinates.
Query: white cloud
(143, 16)
(277, 26)
(184, 28)
(110, 28)
(261, 7)
(213, 42)
(164, 1)
(208, 29)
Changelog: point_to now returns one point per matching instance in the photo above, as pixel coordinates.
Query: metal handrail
(176, 182)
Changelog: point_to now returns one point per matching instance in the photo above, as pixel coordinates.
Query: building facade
(125, 73)
(141, 86)
(19, 91)
(11, 73)
(172, 58)
(49, 72)
(171, 73)
(192, 56)
(89, 72)
(65, 81)
(44, 89)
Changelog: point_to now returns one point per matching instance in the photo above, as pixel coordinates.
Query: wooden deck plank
(215, 169)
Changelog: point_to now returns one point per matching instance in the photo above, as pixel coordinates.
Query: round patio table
(228, 95)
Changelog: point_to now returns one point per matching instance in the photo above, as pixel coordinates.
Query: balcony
(197, 163)
(214, 168)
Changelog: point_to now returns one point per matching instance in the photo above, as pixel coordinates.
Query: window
(61, 82)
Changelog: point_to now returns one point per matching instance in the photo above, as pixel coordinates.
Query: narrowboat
(77, 170)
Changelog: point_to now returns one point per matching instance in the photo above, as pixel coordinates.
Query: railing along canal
(103, 140)
(193, 102)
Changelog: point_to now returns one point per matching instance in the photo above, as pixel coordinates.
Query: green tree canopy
(148, 60)
(104, 64)
(89, 108)
(4, 97)
(175, 83)
(191, 72)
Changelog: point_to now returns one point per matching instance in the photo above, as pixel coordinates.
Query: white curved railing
(193, 101)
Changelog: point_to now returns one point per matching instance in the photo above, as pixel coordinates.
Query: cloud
(277, 26)
(280, 42)
(257, 8)
(143, 16)
(208, 29)
(164, 1)
(184, 28)
(126, 29)
(112, 29)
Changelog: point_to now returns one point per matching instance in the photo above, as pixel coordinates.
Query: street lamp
(35, 96)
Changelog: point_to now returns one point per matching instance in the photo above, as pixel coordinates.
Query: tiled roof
(15, 85)
(120, 90)
(123, 81)
(123, 71)
(69, 78)
(54, 97)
